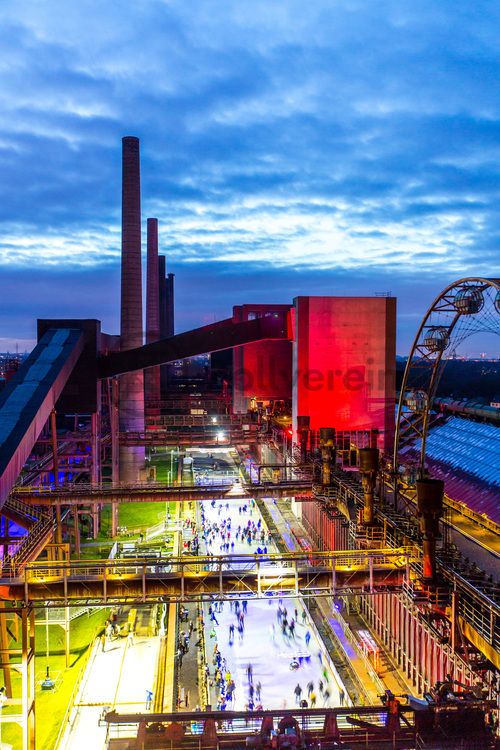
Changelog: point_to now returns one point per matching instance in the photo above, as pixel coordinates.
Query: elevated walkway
(85, 494)
(82, 583)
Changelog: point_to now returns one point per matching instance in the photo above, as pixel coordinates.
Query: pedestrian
(258, 688)
(130, 638)
(103, 642)
(310, 688)
(249, 673)
(149, 699)
(326, 697)
(304, 617)
(312, 698)
(307, 638)
(297, 693)
(341, 697)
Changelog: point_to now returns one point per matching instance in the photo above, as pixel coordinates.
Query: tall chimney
(131, 301)
(170, 302)
(132, 383)
(152, 374)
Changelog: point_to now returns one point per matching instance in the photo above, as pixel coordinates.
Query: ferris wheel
(466, 307)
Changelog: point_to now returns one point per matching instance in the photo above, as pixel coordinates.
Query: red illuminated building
(344, 363)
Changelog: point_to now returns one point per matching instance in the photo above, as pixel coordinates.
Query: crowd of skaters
(222, 535)
(223, 524)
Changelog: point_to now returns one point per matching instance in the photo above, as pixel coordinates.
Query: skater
(258, 688)
(249, 673)
(310, 688)
(341, 697)
(149, 699)
(297, 693)
(307, 638)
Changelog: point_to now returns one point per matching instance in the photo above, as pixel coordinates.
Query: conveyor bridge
(199, 578)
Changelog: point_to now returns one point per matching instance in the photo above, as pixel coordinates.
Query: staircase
(41, 525)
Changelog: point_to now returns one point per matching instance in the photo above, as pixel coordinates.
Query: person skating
(297, 692)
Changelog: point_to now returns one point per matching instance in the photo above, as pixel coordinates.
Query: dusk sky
(288, 147)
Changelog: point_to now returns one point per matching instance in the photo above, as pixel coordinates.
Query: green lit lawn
(135, 516)
(142, 515)
(51, 705)
(166, 467)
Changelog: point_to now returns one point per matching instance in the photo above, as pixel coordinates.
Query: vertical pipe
(114, 519)
(132, 383)
(4, 645)
(67, 626)
(53, 430)
(28, 677)
(94, 477)
(114, 418)
(152, 374)
(76, 524)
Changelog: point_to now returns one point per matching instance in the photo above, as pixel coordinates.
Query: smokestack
(131, 300)
(162, 286)
(152, 374)
(131, 384)
(170, 301)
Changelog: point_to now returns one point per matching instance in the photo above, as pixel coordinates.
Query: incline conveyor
(28, 399)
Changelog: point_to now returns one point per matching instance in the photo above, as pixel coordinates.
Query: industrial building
(350, 521)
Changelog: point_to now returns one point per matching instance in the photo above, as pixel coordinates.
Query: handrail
(90, 650)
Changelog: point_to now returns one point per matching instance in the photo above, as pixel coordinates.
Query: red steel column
(132, 383)
(152, 374)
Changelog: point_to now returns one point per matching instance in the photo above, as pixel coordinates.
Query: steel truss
(466, 307)
(94, 583)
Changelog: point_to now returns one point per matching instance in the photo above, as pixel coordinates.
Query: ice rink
(262, 644)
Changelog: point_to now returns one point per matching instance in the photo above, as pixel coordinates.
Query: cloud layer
(345, 143)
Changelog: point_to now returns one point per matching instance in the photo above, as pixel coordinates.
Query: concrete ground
(117, 677)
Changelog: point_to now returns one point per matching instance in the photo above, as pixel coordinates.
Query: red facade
(344, 354)
(261, 371)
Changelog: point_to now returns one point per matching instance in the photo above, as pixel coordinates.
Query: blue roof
(472, 447)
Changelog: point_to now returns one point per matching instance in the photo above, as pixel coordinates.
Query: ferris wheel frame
(422, 357)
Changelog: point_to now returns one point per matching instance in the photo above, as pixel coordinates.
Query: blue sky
(328, 147)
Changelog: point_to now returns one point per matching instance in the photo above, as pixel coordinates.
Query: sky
(287, 147)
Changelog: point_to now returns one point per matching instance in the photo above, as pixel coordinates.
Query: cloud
(354, 138)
